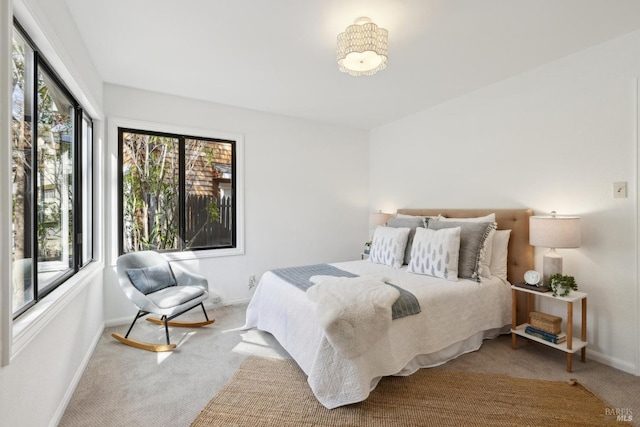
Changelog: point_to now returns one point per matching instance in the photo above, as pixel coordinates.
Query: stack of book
(554, 338)
(546, 327)
(537, 288)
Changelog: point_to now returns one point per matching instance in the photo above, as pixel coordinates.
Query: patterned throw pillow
(387, 246)
(435, 253)
(411, 223)
(472, 237)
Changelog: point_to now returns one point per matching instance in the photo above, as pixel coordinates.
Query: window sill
(197, 255)
(202, 254)
(27, 326)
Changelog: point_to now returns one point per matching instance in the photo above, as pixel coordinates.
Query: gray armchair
(155, 287)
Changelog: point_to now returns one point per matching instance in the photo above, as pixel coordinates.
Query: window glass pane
(21, 135)
(54, 181)
(150, 192)
(209, 195)
(45, 169)
(87, 190)
(177, 192)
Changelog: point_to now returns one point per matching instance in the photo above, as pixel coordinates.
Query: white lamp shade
(554, 231)
(378, 218)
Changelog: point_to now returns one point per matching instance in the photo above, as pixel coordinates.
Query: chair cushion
(175, 295)
(151, 279)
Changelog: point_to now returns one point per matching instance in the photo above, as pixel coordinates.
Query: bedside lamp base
(551, 264)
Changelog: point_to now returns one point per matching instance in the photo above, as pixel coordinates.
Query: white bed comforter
(455, 318)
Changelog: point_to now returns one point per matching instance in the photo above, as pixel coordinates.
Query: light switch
(619, 190)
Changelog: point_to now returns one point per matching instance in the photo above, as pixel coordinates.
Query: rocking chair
(155, 287)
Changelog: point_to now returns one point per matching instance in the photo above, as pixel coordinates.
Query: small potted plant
(562, 285)
(367, 247)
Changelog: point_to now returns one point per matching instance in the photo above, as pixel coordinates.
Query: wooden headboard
(520, 257)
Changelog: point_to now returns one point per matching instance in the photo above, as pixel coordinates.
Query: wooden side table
(572, 344)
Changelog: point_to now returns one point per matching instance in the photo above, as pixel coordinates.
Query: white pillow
(425, 218)
(399, 215)
(436, 252)
(487, 218)
(499, 252)
(387, 246)
(435, 218)
(487, 250)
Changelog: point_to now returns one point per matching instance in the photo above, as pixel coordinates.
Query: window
(178, 192)
(86, 155)
(51, 175)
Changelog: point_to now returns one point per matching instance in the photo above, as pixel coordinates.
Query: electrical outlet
(215, 299)
(252, 281)
(619, 190)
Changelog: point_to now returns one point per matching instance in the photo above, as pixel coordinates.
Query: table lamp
(376, 219)
(553, 232)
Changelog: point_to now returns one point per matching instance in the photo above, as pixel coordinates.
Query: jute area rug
(270, 392)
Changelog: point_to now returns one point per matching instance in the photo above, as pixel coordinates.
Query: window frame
(84, 237)
(116, 245)
(40, 64)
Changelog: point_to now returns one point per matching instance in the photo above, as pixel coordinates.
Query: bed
(454, 316)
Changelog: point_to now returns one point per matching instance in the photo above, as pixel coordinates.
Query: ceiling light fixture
(362, 48)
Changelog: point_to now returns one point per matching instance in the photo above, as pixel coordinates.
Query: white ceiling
(279, 55)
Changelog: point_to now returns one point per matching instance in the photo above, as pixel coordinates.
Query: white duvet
(455, 318)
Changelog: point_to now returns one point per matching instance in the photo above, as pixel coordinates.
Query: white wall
(50, 345)
(305, 190)
(554, 138)
(38, 383)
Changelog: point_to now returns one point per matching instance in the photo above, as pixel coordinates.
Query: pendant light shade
(362, 48)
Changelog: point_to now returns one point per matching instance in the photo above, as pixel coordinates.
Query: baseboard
(57, 416)
(119, 321)
(238, 301)
(613, 362)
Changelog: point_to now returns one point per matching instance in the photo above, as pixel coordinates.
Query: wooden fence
(200, 230)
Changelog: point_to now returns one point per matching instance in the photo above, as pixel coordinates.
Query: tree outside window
(177, 192)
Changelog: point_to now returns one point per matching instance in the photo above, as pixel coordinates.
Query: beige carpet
(270, 392)
(126, 387)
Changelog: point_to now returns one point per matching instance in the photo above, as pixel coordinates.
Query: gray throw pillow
(411, 224)
(151, 279)
(472, 237)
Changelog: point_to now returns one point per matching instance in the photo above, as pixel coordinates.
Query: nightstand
(572, 344)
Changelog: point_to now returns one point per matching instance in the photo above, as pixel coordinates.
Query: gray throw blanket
(406, 305)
